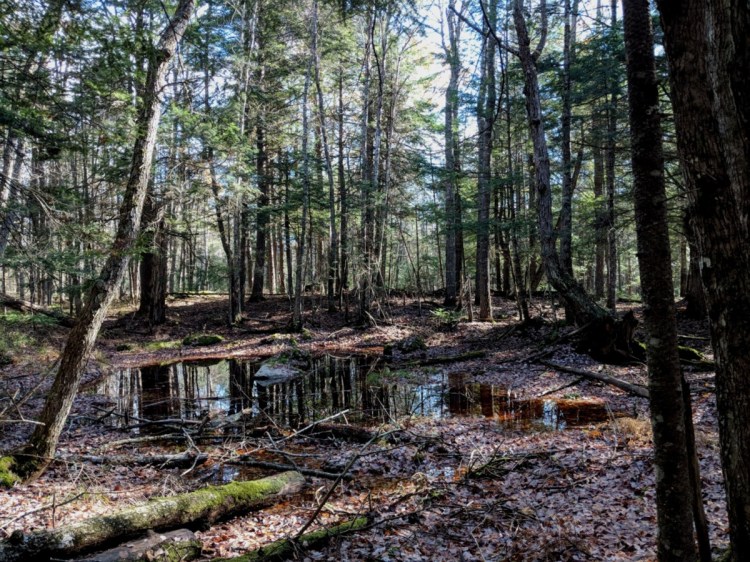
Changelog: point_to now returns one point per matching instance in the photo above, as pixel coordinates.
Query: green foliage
(447, 319)
(22, 332)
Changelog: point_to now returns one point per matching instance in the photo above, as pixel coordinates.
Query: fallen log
(286, 548)
(248, 460)
(180, 460)
(181, 544)
(339, 431)
(442, 359)
(30, 308)
(635, 389)
(199, 507)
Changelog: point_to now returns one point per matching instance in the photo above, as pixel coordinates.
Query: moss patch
(7, 477)
(285, 548)
(202, 339)
(161, 345)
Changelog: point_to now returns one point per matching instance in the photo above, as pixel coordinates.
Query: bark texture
(673, 491)
(707, 47)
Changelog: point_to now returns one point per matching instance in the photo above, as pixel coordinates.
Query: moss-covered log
(175, 546)
(202, 506)
(285, 548)
(31, 308)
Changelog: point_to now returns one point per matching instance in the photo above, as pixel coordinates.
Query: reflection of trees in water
(157, 398)
(241, 376)
(333, 384)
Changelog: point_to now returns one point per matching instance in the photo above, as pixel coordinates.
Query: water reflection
(333, 384)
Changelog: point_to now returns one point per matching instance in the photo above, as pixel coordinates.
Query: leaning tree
(33, 458)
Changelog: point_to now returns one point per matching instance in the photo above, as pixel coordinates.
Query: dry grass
(636, 431)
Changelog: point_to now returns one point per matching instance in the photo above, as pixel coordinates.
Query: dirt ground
(463, 486)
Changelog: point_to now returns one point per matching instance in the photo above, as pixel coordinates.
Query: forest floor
(464, 481)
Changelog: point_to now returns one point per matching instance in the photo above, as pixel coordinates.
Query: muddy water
(333, 384)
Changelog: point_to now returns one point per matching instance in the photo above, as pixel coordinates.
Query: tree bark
(153, 271)
(179, 545)
(452, 160)
(673, 491)
(706, 45)
(204, 505)
(40, 449)
(485, 126)
(610, 160)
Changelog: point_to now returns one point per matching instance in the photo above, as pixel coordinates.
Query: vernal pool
(360, 385)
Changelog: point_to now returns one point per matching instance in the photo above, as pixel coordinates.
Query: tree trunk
(30, 308)
(333, 238)
(40, 449)
(153, 271)
(297, 321)
(287, 549)
(343, 274)
(205, 505)
(584, 308)
(706, 44)
(673, 492)
(262, 219)
(610, 169)
(485, 126)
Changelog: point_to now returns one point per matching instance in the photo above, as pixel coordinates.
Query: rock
(284, 366)
(272, 374)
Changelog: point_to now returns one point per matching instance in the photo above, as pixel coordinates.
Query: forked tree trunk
(40, 449)
(584, 309)
(673, 493)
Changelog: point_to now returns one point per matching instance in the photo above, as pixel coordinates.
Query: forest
(389, 280)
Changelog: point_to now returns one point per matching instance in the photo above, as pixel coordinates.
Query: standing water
(359, 385)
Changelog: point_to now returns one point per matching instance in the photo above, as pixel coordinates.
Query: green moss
(161, 345)
(7, 477)
(689, 354)
(202, 339)
(123, 347)
(306, 335)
